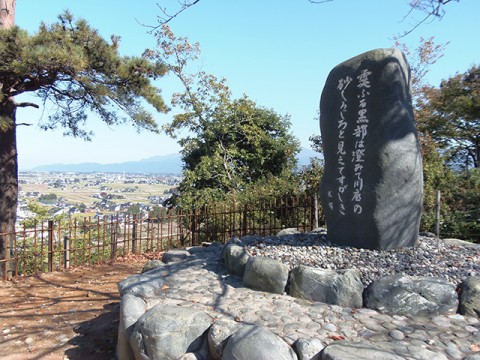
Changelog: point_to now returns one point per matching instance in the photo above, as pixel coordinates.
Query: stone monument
(372, 186)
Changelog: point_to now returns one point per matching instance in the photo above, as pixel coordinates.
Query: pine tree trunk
(7, 13)
(8, 186)
(8, 160)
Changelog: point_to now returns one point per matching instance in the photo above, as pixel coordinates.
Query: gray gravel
(431, 257)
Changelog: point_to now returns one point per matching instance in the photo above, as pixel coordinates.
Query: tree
(452, 117)
(445, 117)
(436, 177)
(463, 218)
(238, 146)
(420, 59)
(230, 142)
(69, 64)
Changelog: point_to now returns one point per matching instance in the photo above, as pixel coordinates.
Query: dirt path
(64, 315)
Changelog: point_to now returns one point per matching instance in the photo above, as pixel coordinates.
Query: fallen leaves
(475, 347)
(336, 337)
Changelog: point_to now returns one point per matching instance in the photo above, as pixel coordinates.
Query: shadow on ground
(96, 338)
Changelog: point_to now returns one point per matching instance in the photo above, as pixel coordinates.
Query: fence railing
(53, 246)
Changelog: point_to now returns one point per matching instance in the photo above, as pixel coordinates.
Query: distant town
(92, 194)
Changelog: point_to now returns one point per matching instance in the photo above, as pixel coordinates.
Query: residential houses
(107, 193)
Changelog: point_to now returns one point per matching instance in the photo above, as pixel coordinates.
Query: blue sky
(279, 53)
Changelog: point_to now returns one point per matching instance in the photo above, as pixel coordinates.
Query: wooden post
(50, 245)
(66, 254)
(437, 213)
(316, 210)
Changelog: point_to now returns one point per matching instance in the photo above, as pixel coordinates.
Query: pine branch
(27, 104)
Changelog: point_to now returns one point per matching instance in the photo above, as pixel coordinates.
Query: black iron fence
(54, 246)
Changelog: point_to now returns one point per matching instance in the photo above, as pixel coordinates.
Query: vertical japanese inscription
(358, 131)
(341, 152)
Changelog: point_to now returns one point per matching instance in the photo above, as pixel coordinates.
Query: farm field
(95, 192)
(81, 193)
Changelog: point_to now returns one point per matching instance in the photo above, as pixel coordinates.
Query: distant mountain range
(166, 164)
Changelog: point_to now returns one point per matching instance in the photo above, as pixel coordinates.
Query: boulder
(234, 241)
(201, 354)
(168, 332)
(411, 296)
(251, 239)
(197, 250)
(470, 296)
(343, 287)
(372, 186)
(235, 258)
(152, 264)
(175, 255)
(218, 335)
(131, 309)
(266, 274)
(308, 349)
(346, 350)
(462, 243)
(288, 231)
(255, 342)
(474, 356)
(144, 285)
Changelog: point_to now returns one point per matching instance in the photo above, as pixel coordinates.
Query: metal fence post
(200, 222)
(245, 221)
(50, 245)
(437, 213)
(9, 265)
(134, 234)
(113, 241)
(66, 254)
(6, 255)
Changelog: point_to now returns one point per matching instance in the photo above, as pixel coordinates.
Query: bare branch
(416, 26)
(184, 5)
(433, 9)
(24, 124)
(167, 17)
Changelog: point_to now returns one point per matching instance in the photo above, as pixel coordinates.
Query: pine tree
(70, 65)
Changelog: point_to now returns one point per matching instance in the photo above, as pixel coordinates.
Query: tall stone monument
(372, 186)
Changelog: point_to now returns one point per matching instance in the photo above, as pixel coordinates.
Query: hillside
(166, 164)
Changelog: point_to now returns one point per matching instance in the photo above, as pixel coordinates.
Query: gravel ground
(431, 257)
